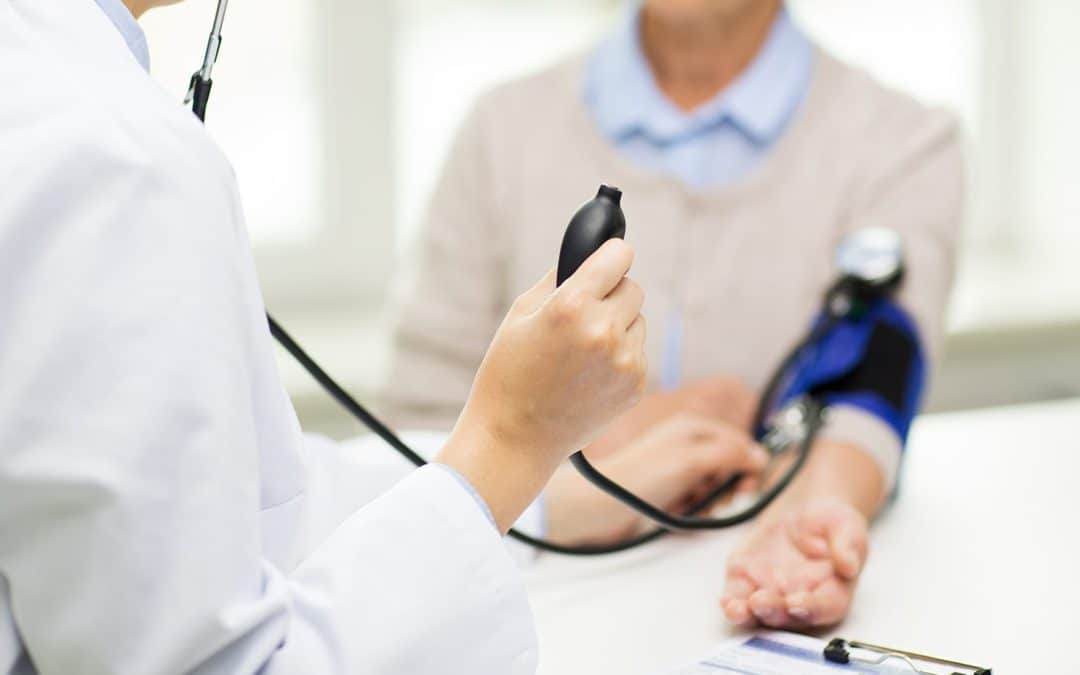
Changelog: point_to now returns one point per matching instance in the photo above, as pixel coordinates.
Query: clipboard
(784, 653)
(844, 652)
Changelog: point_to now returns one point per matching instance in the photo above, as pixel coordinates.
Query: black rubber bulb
(594, 223)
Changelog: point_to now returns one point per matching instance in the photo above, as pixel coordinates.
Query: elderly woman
(745, 153)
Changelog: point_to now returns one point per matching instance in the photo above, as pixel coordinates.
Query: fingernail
(763, 612)
(797, 605)
(736, 612)
(852, 562)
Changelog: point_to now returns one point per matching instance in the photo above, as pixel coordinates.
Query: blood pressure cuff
(875, 362)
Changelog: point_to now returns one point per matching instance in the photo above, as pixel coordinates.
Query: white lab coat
(157, 497)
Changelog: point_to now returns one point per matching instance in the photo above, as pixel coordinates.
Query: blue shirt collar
(129, 29)
(625, 99)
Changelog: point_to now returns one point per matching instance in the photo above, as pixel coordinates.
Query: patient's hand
(673, 465)
(798, 567)
(721, 398)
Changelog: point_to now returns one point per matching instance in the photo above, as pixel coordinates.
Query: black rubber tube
(357, 410)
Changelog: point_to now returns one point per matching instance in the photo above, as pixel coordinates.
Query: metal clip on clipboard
(846, 651)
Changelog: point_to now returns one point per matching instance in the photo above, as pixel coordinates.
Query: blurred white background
(337, 115)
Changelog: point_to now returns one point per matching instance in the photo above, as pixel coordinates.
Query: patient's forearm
(840, 470)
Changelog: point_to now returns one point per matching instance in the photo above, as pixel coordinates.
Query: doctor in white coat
(156, 492)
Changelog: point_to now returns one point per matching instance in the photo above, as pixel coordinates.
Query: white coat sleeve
(130, 453)
(348, 474)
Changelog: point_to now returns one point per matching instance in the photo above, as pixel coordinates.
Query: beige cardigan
(746, 264)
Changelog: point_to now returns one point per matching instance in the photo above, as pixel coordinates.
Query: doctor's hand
(564, 363)
(673, 465)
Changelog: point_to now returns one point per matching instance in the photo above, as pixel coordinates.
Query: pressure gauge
(871, 264)
(873, 255)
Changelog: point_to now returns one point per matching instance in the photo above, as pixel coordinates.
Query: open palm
(798, 568)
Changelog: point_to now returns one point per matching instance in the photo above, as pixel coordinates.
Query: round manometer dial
(874, 255)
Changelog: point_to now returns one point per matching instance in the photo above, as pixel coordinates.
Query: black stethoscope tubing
(365, 417)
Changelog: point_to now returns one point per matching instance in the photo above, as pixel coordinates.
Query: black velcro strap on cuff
(885, 368)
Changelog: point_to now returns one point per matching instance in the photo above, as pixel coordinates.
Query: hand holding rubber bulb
(565, 361)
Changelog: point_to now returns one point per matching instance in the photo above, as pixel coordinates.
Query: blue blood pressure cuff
(874, 361)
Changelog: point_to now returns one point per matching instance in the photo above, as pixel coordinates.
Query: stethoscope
(871, 266)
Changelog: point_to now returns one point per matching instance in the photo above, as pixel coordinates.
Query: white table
(979, 559)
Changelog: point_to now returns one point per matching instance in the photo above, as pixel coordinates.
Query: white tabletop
(979, 560)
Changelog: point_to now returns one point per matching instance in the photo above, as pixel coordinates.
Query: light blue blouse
(709, 147)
